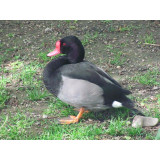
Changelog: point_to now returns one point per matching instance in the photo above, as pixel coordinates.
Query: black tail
(126, 102)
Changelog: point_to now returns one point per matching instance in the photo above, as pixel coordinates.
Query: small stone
(137, 122)
(48, 30)
(154, 98)
(155, 88)
(141, 121)
(44, 116)
(37, 123)
(90, 120)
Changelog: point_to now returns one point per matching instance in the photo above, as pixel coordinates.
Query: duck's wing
(104, 74)
(84, 79)
(88, 71)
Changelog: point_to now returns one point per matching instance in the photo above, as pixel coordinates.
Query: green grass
(43, 56)
(119, 127)
(10, 35)
(4, 94)
(89, 38)
(125, 28)
(26, 121)
(158, 135)
(17, 65)
(128, 28)
(72, 132)
(36, 93)
(149, 39)
(58, 108)
(20, 126)
(27, 75)
(29, 82)
(117, 58)
(107, 21)
(151, 111)
(14, 127)
(149, 78)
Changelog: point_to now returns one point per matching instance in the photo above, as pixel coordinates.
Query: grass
(107, 21)
(43, 57)
(4, 94)
(15, 127)
(128, 28)
(74, 132)
(149, 39)
(10, 35)
(33, 87)
(149, 78)
(117, 58)
(19, 126)
(27, 75)
(150, 111)
(89, 38)
(37, 93)
(34, 116)
(120, 127)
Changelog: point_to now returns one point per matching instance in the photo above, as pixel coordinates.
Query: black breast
(52, 74)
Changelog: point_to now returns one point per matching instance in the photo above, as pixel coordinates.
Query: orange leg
(85, 111)
(72, 119)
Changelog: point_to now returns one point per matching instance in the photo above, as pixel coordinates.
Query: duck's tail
(126, 102)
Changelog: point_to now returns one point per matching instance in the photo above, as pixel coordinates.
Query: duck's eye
(64, 44)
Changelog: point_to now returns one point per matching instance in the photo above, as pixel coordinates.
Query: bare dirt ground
(26, 39)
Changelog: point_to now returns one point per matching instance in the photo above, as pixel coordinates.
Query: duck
(80, 83)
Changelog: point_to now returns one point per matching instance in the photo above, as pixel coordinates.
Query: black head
(72, 47)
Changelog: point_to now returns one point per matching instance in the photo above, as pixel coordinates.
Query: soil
(28, 38)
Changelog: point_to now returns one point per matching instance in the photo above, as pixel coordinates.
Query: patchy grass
(148, 78)
(11, 35)
(14, 127)
(120, 127)
(117, 58)
(37, 93)
(89, 38)
(149, 39)
(43, 57)
(4, 94)
(75, 132)
(29, 111)
(128, 28)
(27, 75)
(107, 21)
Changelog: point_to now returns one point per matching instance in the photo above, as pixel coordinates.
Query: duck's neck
(57, 63)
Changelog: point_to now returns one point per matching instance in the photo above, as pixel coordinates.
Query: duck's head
(71, 46)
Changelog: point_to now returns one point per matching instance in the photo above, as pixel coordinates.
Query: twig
(4, 122)
(158, 45)
(39, 119)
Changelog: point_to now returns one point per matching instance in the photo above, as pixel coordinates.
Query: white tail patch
(116, 104)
